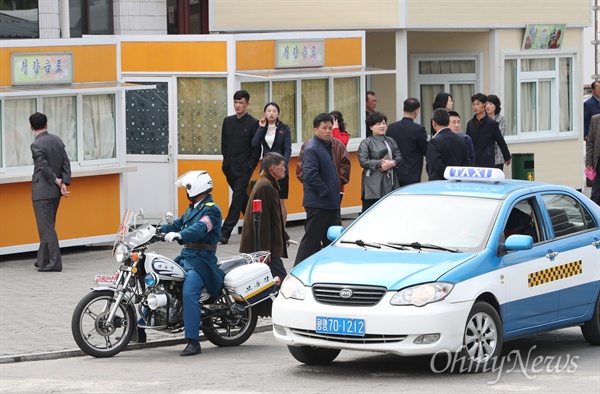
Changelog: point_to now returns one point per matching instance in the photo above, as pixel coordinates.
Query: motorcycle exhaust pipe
(156, 300)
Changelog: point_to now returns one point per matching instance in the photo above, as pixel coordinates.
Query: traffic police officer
(199, 230)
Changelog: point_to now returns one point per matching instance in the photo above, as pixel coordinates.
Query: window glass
(17, 131)
(315, 94)
(147, 120)
(567, 215)
(202, 104)
(284, 94)
(346, 93)
(62, 121)
(20, 19)
(259, 96)
(538, 95)
(76, 18)
(523, 220)
(100, 17)
(99, 131)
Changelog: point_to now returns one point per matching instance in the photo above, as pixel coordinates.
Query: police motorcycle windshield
(133, 230)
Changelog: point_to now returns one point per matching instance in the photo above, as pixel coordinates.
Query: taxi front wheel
(483, 336)
(313, 355)
(591, 329)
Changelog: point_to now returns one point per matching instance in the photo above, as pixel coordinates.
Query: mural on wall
(202, 105)
(147, 120)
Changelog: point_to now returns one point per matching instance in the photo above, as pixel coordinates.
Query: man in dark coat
(446, 148)
(411, 139)
(51, 176)
(273, 237)
(239, 158)
(321, 199)
(485, 133)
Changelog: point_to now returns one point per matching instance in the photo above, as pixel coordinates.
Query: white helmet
(195, 183)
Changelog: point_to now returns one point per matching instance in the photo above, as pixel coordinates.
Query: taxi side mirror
(334, 232)
(518, 242)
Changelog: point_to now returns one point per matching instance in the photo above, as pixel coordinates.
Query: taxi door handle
(596, 244)
(552, 255)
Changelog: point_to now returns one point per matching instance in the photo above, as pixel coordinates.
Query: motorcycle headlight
(151, 279)
(292, 287)
(121, 253)
(423, 294)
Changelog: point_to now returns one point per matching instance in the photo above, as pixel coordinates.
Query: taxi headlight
(121, 253)
(292, 287)
(421, 295)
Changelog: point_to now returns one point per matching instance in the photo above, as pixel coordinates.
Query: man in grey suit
(51, 176)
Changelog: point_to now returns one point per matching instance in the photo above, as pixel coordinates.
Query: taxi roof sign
(473, 174)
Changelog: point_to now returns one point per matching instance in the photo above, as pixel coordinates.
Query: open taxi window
(523, 220)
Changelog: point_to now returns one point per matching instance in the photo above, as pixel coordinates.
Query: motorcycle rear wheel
(92, 333)
(230, 326)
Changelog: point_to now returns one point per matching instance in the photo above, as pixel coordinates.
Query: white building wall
(143, 17)
(49, 18)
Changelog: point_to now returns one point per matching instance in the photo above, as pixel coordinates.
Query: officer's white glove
(170, 237)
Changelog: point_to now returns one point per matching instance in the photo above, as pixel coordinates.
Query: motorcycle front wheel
(91, 330)
(231, 324)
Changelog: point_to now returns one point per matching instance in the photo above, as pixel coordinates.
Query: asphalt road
(555, 362)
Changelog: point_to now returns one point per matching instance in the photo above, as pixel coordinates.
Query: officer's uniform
(200, 230)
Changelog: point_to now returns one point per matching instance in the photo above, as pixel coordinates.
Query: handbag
(590, 173)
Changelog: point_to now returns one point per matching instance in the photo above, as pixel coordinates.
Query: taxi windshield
(453, 222)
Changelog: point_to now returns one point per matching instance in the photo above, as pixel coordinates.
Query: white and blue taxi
(456, 266)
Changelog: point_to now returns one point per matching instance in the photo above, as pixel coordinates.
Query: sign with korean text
(41, 68)
(292, 54)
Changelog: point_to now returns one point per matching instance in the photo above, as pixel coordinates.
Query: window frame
(537, 77)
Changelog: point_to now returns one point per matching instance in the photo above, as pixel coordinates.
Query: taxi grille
(361, 295)
(367, 339)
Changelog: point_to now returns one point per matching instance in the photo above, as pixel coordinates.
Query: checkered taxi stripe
(554, 273)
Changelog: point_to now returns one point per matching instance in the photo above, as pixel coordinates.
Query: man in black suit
(411, 138)
(485, 134)
(239, 158)
(51, 176)
(446, 148)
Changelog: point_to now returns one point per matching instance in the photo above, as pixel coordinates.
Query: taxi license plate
(340, 326)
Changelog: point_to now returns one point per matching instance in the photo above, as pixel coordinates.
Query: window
(147, 120)
(202, 106)
(301, 100)
(187, 16)
(523, 220)
(19, 19)
(91, 17)
(567, 215)
(440, 73)
(85, 123)
(538, 96)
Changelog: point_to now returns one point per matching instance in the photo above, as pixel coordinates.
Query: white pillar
(65, 23)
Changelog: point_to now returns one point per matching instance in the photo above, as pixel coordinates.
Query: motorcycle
(146, 293)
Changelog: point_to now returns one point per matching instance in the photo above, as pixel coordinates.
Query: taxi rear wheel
(483, 336)
(591, 329)
(313, 355)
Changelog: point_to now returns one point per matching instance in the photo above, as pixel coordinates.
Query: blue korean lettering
(48, 67)
(24, 66)
(36, 66)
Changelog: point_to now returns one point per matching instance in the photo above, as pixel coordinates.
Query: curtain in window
(17, 133)
(259, 96)
(314, 101)
(99, 132)
(564, 95)
(510, 96)
(284, 94)
(202, 106)
(346, 94)
(147, 120)
(528, 106)
(447, 67)
(62, 121)
(428, 93)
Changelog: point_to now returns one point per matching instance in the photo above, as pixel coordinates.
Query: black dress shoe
(35, 264)
(50, 270)
(224, 240)
(191, 350)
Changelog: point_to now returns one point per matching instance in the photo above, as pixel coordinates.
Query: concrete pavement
(36, 307)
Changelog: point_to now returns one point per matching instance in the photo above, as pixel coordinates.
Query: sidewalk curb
(132, 346)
